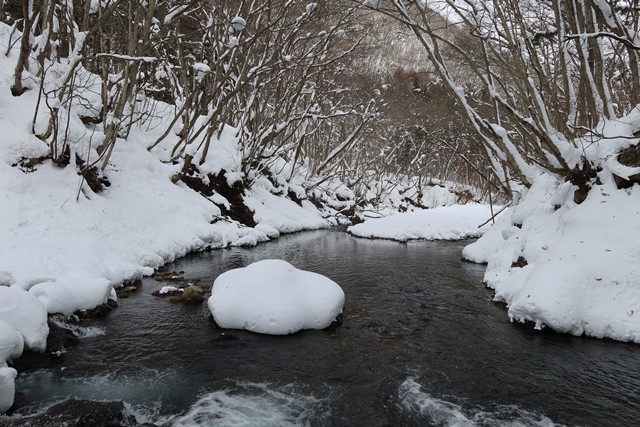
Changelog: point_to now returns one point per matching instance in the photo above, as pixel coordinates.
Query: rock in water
(26, 314)
(273, 297)
(83, 412)
(192, 294)
(167, 291)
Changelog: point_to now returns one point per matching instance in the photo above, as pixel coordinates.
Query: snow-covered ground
(440, 223)
(572, 267)
(273, 297)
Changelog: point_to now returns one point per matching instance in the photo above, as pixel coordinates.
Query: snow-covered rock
(441, 223)
(72, 294)
(271, 232)
(23, 321)
(165, 290)
(11, 342)
(273, 297)
(7, 387)
(26, 314)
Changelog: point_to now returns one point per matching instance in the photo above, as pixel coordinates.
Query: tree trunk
(25, 48)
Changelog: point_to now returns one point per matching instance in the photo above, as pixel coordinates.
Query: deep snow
(273, 297)
(570, 263)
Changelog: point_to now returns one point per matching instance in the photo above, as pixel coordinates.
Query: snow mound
(26, 314)
(441, 223)
(273, 297)
(481, 250)
(11, 342)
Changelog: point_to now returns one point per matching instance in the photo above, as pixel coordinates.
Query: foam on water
(81, 332)
(145, 389)
(253, 404)
(442, 412)
(149, 396)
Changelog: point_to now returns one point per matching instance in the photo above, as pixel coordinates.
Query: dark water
(421, 342)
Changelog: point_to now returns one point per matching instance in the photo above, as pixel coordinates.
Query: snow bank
(273, 297)
(493, 237)
(7, 388)
(573, 268)
(390, 194)
(441, 223)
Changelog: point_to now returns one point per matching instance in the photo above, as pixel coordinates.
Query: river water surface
(420, 343)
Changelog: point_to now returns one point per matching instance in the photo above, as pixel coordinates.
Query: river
(420, 342)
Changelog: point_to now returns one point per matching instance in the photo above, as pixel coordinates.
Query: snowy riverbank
(453, 222)
(570, 267)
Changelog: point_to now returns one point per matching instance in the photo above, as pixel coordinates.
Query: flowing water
(420, 343)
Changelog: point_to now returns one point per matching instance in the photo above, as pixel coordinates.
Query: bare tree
(549, 69)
